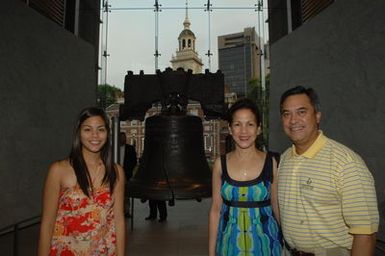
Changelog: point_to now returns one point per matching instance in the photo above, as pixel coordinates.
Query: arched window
(183, 43)
(189, 43)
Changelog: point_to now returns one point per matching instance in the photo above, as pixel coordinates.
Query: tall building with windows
(239, 60)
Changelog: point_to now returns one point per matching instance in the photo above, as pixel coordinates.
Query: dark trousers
(156, 205)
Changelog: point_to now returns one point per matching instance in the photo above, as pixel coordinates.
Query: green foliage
(107, 95)
(254, 90)
(261, 98)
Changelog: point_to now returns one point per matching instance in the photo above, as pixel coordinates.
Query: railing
(15, 228)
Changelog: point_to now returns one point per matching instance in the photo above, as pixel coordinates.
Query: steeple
(186, 22)
(186, 37)
(186, 56)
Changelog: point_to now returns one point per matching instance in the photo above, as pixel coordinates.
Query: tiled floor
(184, 233)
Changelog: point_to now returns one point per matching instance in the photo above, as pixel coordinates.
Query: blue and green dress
(247, 225)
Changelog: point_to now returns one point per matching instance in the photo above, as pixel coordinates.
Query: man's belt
(295, 252)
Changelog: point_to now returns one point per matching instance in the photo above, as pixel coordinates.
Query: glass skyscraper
(238, 59)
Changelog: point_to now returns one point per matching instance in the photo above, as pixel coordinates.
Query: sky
(128, 32)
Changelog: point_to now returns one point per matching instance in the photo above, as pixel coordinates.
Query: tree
(261, 98)
(107, 95)
(254, 90)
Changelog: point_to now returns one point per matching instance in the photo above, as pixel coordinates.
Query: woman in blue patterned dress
(244, 210)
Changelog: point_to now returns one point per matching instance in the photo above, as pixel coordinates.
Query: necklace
(96, 176)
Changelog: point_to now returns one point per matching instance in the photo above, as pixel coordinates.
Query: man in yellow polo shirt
(326, 193)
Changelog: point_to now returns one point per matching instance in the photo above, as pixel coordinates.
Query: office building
(239, 59)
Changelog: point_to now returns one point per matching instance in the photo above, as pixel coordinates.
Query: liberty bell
(173, 164)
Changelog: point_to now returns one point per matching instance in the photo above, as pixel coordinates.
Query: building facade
(47, 75)
(214, 131)
(239, 60)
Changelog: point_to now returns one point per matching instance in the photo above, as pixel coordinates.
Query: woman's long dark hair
(76, 156)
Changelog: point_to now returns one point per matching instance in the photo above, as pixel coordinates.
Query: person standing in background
(155, 206)
(128, 160)
(327, 198)
(128, 157)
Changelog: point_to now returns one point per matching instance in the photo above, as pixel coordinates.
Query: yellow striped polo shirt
(325, 195)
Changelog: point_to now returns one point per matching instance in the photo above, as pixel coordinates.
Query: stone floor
(184, 233)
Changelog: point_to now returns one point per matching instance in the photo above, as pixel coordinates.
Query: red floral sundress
(84, 226)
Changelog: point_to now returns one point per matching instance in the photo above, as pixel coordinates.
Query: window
(207, 128)
(208, 142)
(194, 112)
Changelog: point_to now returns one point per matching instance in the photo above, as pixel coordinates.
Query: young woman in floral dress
(83, 195)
